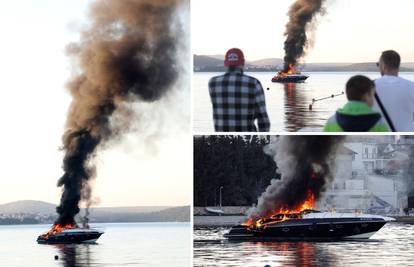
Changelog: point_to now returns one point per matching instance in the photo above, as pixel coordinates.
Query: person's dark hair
(391, 59)
(358, 86)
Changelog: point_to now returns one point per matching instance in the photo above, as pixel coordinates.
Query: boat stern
(239, 232)
(389, 219)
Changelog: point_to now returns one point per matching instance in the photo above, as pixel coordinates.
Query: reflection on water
(295, 253)
(391, 246)
(297, 102)
(229, 253)
(75, 254)
(67, 255)
(123, 244)
(297, 112)
(297, 97)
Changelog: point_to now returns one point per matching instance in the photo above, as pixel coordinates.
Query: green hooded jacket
(356, 116)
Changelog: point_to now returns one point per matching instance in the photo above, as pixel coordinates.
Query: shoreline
(315, 71)
(98, 223)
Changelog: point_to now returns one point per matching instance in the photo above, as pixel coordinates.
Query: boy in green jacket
(357, 115)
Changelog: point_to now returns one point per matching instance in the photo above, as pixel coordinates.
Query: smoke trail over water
(301, 20)
(129, 54)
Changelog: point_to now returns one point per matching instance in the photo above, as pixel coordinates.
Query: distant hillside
(43, 212)
(364, 67)
(267, 62)
(219, 57)
(218, 60)
(206, 61)
(129, 209)
(409, 65)
(176, 214)
(40, 207)
(214, 63)
(28, 206)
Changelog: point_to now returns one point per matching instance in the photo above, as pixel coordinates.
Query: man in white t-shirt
(396, 95)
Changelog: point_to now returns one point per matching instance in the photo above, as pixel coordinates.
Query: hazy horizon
(151, 166)
(350, 31)
(92, 207)
(270, 57)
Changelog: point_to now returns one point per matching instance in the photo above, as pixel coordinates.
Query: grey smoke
(301, 25)
(297, 159)
(129, 54)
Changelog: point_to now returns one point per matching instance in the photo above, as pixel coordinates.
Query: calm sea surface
(287, 104)
(393, 245)
(132, 244)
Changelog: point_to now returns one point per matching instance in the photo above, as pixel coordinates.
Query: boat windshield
(294, 216)
(309, 211)
(283, 216)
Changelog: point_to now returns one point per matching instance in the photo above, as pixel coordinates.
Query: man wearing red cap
(238, 100)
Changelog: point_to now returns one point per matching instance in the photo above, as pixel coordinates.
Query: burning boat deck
(310, 225)
(69, 235)
(291, 76)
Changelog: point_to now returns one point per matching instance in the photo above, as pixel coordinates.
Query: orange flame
(283, 213)
(290, 71)
(57, 228)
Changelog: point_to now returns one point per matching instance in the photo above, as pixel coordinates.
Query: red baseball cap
(234, 58)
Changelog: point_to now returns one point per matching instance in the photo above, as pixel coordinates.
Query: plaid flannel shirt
(238, 100)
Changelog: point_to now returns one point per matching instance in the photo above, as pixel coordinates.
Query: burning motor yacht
(291, 76)
(285, 210)
(69, 234)
(310, 225)
(305, 223)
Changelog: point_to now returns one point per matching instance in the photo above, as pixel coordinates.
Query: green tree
(236, 163)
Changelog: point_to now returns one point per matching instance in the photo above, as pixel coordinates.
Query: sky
(351, 31)
(149, 167)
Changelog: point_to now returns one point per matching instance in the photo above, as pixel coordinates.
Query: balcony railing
(370, 155)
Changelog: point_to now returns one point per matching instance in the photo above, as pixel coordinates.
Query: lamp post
(221, 188)
(215, 197)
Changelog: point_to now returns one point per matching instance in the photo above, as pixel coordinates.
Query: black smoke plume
(409, 174)
(128, 54)
(301, 19)
(305, 163)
